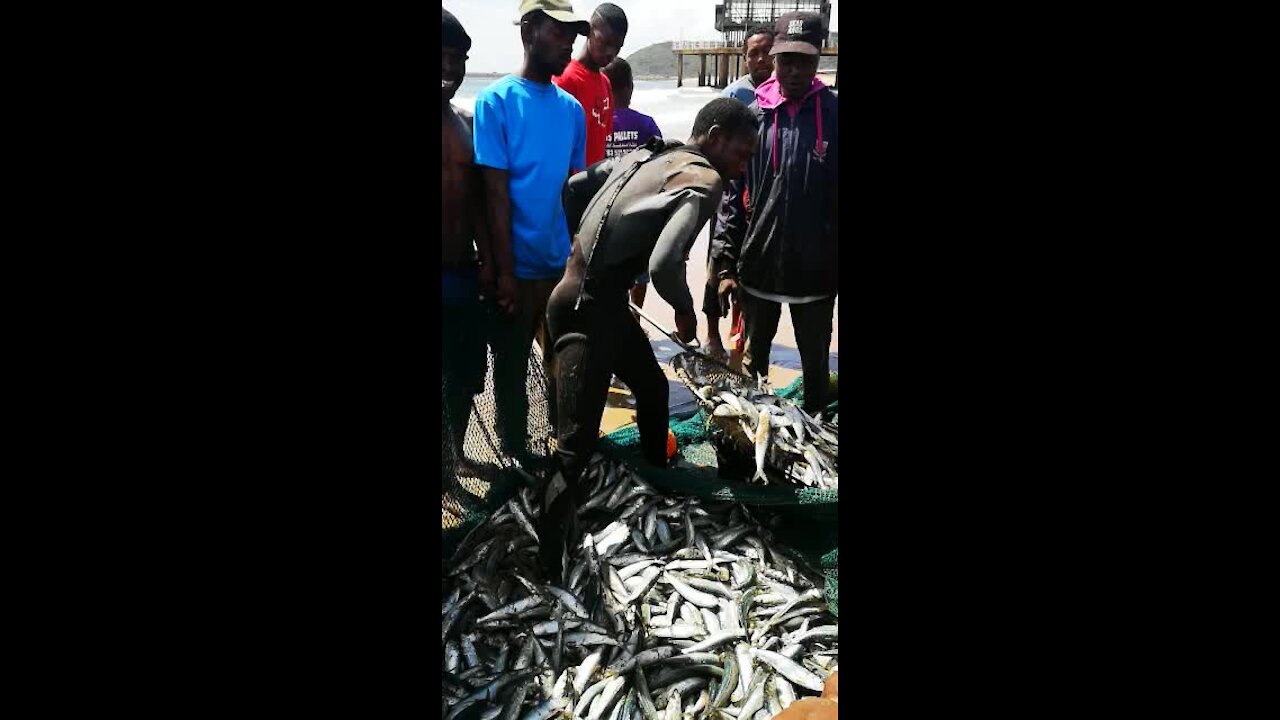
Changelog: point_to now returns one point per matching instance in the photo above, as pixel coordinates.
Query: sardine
(525, 525)
(698, 705)
(697, 597)
(513, 609)
(588, 697)
(469, 650)
(726, 410)
(793, 672)
(452, 655)
(514, 704)
(710, 621)
(604, 701)
(644, 659)
(643, 696)
(753, 702)
(681, 630)
(729, 683)
(719, 638)
(710, 586)
(672, 701)
(585, 671)
(786, 693)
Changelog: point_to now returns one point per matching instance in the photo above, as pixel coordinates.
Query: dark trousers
(512, 344)
(711, 291)
(591, 345)
(812, 323)
(464, 361)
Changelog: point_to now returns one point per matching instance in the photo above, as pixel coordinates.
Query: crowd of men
(561, 203)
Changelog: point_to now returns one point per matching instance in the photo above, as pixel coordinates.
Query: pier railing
(721, 44)
(696, 44)
(726, 61)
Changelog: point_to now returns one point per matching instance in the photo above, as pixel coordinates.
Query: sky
(495, 41)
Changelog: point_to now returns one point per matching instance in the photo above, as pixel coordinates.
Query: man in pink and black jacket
(775, 240)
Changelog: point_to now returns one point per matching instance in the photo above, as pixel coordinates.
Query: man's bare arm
(498, 207)
(484, 242)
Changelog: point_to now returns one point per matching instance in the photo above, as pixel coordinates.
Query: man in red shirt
(583, 80)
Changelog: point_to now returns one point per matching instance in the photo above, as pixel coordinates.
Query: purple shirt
(630, 130)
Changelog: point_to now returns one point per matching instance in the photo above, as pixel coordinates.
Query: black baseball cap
(799, 32)
(451, 33)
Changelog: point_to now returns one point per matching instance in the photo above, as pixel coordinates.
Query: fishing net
(831, 570)
(490, 438)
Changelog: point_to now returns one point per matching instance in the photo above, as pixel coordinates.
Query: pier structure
(734, 19)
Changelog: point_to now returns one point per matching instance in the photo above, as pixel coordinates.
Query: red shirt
(594, 93)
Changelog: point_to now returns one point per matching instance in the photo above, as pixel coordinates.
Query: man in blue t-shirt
(530, 136)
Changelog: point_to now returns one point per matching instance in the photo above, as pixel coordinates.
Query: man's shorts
(463, 339)
(710, 299)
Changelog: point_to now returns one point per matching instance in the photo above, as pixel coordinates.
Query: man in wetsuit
(465, 262)
(642, 210)
(631, 129)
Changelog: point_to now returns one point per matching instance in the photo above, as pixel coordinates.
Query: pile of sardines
(802, 449)
(672, 608)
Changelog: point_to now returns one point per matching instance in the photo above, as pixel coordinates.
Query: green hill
(659, 61)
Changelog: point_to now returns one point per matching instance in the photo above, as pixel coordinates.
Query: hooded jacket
(777, 228)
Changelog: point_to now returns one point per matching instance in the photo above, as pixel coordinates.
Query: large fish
(803, 449)
(762, 445)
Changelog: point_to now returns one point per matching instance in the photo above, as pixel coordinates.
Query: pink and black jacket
(777, 228)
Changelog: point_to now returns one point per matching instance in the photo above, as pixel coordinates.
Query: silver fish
(719, 638)
(753, 702)
(697, 597)
(793, 672)
(786, 693)
(655, 620)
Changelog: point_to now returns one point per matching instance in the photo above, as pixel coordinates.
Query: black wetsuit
(639, 212)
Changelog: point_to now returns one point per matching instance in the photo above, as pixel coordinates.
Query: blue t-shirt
(538, 134)
(743, 90)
